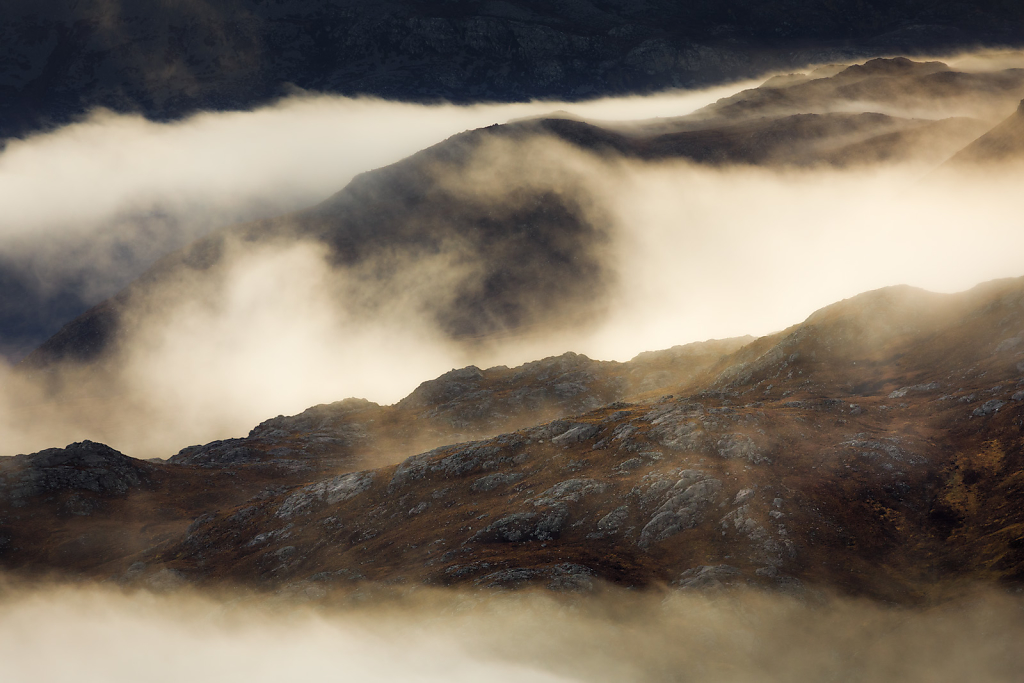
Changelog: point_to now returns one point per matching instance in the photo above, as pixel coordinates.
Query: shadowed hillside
(166, 60)
(873, 449)
(1001, 145)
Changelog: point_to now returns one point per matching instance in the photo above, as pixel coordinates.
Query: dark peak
(448, 386)
(1020, 108)
(567, 359)
(883, 66)
(83, 467)
(312, 418)
(78, 454)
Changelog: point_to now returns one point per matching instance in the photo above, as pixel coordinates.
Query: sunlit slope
(1004, 144)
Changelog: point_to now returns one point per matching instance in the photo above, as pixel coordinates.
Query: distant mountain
(873, 449)
(535, 242)
(1003, 144)
(167, 60)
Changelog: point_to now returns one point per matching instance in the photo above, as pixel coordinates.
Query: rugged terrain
(875, 449)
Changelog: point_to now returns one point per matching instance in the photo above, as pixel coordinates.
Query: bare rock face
(85, 466)
(787, 470)
(684, 507)
(323, 433)
(707, 577)
(78, 478)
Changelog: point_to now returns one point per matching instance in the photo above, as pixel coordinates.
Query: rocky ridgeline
(78, 477)
(460, 405)
(679, 491)
(874, 449)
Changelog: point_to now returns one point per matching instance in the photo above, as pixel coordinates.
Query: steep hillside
(166, 60)
(1004, 144)
(876, 449)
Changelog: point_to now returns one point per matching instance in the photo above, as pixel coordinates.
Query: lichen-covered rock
(84, 467)
(412, 469)
(525, 526)
(743, 495)
(576, 434)
(708, 577)
(678, 427)
(988, 408)
(740, 446)
(570, 491)
(329, 492)
(684, 508)
(611, 523)
(465, 460)
(508, 578)
(903, 391)
(493, 481)
(518, 526)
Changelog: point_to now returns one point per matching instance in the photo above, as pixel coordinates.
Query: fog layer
(86, 634)
(694, 252)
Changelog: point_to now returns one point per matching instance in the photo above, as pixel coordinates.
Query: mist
(722, 253)
(694, 252)
(88, 207)
(273, 159)
(428, 635)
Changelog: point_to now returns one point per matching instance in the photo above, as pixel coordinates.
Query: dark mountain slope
(96, 508)
(885, 85)
(874, 449)
(900, 483)
(463, 404)
(170, 59)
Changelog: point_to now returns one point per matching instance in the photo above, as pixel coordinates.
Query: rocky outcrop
(892, 477)
(78, 476)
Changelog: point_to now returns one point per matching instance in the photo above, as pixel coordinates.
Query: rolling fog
(692, 253)
(422, 636)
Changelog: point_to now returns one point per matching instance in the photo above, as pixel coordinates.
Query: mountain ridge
(875, 449)
(167, 61)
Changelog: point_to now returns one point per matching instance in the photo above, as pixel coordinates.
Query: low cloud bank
(90, 206)
(87, 634)
(693, 252)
